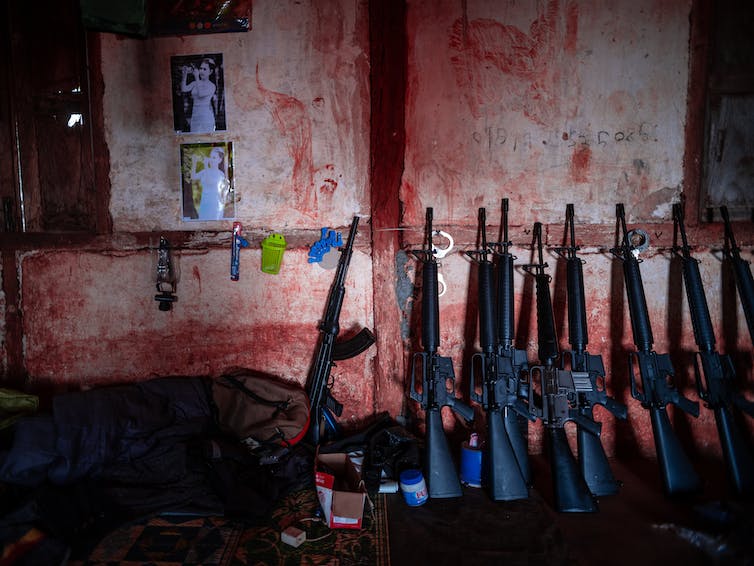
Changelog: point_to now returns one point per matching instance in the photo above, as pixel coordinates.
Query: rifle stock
(589, 367)
(436, 371)
(715, 373)
(324, 408)
(651, 376)
(560, 389)
(505, 478)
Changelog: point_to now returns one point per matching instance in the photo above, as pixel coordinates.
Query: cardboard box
(340, 491)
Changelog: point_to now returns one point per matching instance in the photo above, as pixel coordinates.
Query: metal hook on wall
(166, 276)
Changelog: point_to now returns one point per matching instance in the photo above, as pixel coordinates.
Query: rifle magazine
(352, 347)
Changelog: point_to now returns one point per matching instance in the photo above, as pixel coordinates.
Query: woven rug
(170, 540)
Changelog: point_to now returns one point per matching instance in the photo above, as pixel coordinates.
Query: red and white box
(340, 491)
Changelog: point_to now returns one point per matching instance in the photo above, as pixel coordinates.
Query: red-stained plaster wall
(380, 110)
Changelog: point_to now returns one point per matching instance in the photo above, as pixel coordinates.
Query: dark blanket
(128, 433)
(109, 455)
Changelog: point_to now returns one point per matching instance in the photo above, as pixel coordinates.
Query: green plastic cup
(273, 247)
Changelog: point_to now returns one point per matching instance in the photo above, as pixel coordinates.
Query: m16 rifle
(655, 387)
(715, 373)
(435, 372)
(559, 399)
(501, 367)
(587, 370)
(741, 272)
(517, 385)
(324, 408)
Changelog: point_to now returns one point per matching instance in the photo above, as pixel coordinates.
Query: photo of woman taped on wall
(207, 181)
(198, 93)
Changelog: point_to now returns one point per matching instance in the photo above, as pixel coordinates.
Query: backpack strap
(279, 405)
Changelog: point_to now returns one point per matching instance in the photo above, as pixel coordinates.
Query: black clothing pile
(109, 455)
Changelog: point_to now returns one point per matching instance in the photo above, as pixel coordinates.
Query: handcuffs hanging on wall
(440, 253)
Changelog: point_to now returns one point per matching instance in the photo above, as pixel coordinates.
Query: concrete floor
(639, 525)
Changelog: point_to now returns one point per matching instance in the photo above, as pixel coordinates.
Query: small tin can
(413, 487)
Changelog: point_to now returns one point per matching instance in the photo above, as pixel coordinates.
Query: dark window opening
(728, 159)
(48, 180)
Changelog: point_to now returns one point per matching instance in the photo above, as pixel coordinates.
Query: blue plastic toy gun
(236, 244)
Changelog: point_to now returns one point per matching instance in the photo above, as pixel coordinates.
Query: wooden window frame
(22, 195)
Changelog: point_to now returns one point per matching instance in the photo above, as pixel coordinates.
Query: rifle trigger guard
(441, 253)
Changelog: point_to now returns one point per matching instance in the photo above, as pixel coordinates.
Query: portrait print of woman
(207, 179)
(198, 93)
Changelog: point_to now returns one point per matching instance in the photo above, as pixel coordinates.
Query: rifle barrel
(700, 317)
(741, 272)
(546, 334)
(505, 302)
(637, 302)
(578, 332)
(487, 338)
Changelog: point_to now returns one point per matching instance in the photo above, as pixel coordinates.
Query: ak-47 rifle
(655, 387)
(741, 272)
(715, 373)
(323, 406)
(435, 371)
(588, 370)
(501, 367)
(559, 399)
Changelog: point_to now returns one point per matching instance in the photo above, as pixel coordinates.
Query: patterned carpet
(170, 540)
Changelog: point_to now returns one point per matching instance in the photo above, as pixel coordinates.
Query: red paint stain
(412, 205)
(572, 27)
(329, 186)
(580, 161)
(197, 276)
(292, 121)
(644, 185)
(487, 48)
(621, 102)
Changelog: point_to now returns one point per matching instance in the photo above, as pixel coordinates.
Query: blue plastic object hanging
(328, 239)
(235, 251)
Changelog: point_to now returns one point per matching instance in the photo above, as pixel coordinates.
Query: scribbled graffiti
(498, 138)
